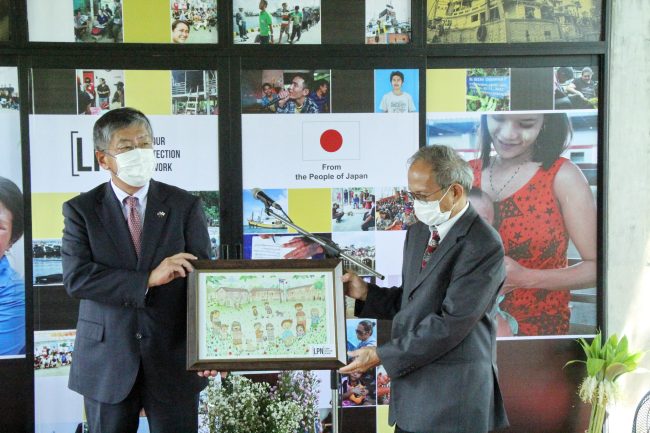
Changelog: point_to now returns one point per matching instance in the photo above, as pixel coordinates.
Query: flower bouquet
(239, 405)
(605, 363)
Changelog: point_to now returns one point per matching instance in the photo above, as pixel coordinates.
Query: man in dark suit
(126, 250)
(441, 356)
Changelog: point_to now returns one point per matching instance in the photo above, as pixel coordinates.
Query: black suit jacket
(122, 325)
(441, 356)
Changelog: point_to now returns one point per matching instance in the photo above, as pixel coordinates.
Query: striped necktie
(431, 247)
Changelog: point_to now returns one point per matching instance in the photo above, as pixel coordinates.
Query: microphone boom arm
(328, 245)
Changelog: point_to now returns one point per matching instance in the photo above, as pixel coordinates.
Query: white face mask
(429, 211)
(135, 167)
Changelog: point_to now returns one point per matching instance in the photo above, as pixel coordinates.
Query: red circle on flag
(331, 140)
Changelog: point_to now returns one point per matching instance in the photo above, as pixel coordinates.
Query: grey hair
(447, 165)
(114, 120)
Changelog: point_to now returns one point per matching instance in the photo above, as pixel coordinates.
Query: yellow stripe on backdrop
(311, 209)
(382, 420)
(149, 91)
(446, 89)
(147, 21)
(47, 218)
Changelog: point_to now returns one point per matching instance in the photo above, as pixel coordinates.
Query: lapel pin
(160, 214)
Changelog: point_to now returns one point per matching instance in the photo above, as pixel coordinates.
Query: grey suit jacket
(122, 325)
(441, 356)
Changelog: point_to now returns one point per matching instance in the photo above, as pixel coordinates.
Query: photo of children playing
(394, 210)
(353, 209)
(194, 22)
(97, 20)
(265, 316)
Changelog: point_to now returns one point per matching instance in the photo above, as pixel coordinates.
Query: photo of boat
(265, 223)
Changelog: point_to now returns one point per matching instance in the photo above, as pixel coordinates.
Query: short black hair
(367, 325)
(398, 74)
(266, 84)
(564, 73)
(552, 140)
(12, 199)
(307, 81)
(321, 82)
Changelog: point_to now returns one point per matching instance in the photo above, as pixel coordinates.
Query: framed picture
(265, 315)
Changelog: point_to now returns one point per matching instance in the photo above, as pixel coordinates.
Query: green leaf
(575, 361)
(594, 366)
(615, 370)
(622, 346)
(594, 350)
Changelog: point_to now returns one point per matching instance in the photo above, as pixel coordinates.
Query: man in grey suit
(441, 356)
(126, 250)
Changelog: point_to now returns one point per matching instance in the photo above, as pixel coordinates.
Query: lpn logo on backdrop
(330, 141)
(81, 160)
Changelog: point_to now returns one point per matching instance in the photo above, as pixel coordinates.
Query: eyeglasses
(124, 147)
(421, 197)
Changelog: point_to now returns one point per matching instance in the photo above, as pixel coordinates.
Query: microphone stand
(330, 247)
(334, 250)
(334, 387)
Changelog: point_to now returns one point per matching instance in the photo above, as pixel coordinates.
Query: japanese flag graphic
(329, 141)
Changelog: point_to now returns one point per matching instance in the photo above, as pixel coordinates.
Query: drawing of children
(215, 321)
(300, 330)
(224, 331)
(301, 317)
(287, 335)
(270, 332)
(259, 333)
(315, 318)
(237, 335)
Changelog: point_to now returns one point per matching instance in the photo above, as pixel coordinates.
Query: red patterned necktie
(431, 247)
(135, 222)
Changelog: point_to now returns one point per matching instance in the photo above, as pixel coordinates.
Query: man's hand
(284, 97)
(212, 373)
(176, 266)
(364, 359)
(354, 286)
(302, 248)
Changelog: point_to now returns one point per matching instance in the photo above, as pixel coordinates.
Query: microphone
(268, 201)
(274, 100)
